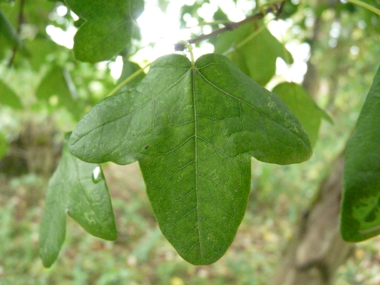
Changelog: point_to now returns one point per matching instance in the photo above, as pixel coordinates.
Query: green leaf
(40, 49)
(303, 107)
(253, 50)
(193, 130)
(360, 211)
(58, 82)
(3, 145)
(108, 28)
(8, 97)
(80, 190)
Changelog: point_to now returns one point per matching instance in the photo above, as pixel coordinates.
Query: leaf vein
(130, 113)
(248, 104)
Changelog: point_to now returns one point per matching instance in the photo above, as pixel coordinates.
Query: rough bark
(316, 249)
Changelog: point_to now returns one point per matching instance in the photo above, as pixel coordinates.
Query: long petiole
(128, 79)
(365, 5)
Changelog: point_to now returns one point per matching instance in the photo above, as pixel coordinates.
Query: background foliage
(44, 91)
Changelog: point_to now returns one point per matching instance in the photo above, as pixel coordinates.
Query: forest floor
(141, 255)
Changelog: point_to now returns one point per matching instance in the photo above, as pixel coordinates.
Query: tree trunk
(316, 251)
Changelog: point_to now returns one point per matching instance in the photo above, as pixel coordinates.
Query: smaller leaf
(303, 107)
(8, 97)
(360, 211)
(40, 49)
(80, 190)
(58, 82)
(254, 50)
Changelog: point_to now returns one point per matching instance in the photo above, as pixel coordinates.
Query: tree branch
(20, 21)
(276, 7)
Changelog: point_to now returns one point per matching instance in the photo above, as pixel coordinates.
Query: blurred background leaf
(8, 97)
(58, 88)
(3, 145)
(360, 218)
(303, 106)
(254, 50)
(107, 30)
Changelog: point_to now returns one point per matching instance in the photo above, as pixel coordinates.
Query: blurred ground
(141, 255)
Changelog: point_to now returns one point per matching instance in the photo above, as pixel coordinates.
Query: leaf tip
(47, 258)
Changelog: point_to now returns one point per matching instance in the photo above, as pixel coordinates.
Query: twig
(280, 9)
(180, 46)
(18, 30)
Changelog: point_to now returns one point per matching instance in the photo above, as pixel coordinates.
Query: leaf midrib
(193, 71)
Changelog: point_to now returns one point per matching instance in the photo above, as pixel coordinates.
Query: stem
(280, 9)
(128, 79)
(180, 46)
(366, 6)
(20, 21)
(269, 3)
(210, 24)
(230, 26)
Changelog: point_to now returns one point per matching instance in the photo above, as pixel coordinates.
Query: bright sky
(160, 35)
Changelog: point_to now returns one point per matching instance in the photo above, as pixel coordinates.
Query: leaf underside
(193, 130)
(360, 211)
(79, 189)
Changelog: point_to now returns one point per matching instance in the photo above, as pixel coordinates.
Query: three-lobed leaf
(108, 28)
(78, 189)
(360, 211)
(193, 129)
